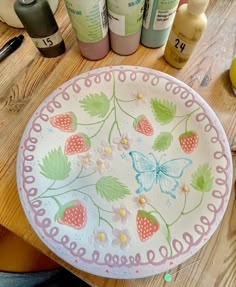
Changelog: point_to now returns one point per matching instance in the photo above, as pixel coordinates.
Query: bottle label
(125, 17)
(49, 41)
(89, 19)
(164, 14)
(147, 13)
(182, 47)
(116, 23)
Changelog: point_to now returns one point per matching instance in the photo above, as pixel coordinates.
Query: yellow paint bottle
(232, 74)
(189, 24)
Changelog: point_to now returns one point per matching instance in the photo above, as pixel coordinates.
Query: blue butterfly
(150, 171)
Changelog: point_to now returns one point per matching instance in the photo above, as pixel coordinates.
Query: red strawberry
(73, 214)
(147, 224)
(142, 125)
(65, 122)
(77, 143)
(188, 141)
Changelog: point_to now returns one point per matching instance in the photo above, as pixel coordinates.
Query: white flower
(106, 150)
(121, 213)
(122, 238)
(140, 200)
(100, 238)
(102, 165)
(140, 99)
(123, 142)
(86, 160)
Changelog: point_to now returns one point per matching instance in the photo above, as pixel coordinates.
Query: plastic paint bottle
(189, 24)
(182, 2)
(39, 22)
(125, 23)
(90, 23)
(158, 18)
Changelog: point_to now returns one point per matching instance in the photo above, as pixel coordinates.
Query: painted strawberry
(147, 225)
(77, 143)
(73, 214)
(142, 125)
(65, 122)
(188, 141)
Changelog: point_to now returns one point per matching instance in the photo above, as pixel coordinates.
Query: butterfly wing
(169, 172)
(145, 181)
(141, 163)
(167, 184)
(175, 167)
(146, 171)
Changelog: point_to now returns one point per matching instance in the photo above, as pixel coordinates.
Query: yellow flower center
(101, 236)
(123, 238)
(86, 160)
(142, 200)
(139, 96)
(122, 212)
(185, 188)
(107, 149)
(124, 141)
(102, 165)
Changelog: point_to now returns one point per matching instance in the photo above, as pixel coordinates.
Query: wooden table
(26, 78)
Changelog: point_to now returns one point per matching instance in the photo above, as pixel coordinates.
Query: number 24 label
(179, 45)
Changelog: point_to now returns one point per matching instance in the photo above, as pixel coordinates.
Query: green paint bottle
(158, 18)
(125, 24)
(90, 23)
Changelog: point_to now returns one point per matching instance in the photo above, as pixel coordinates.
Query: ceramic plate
(124, 172)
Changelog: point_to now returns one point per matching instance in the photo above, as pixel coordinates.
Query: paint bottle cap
(197, 7)
(26, 2)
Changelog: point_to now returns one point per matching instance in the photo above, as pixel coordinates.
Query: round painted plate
(124, 172)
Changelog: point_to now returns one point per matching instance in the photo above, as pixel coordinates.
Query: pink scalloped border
(186, 94)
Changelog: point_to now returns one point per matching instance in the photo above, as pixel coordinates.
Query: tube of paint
(125, 23)
(39, 22)
(189, 25)
(90, 23)
(158, 18)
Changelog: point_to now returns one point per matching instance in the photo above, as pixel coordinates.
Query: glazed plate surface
(124, 172)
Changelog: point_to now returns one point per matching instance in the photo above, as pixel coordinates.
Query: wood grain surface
(26, 79)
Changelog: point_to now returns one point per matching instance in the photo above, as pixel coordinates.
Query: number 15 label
(49, 41)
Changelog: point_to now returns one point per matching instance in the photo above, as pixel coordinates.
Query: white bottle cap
(197, 7)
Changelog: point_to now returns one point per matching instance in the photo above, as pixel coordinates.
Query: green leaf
(163, 110)
(111, 189)
(162, 141)
(55, 165)
(202, 179)
(96, 105)
(144, 214)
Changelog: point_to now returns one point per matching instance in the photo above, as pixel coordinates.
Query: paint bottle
(157, 21)
(190, 22)
(39, 22)
(90, 23)
(125, 23)
(182, 2)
